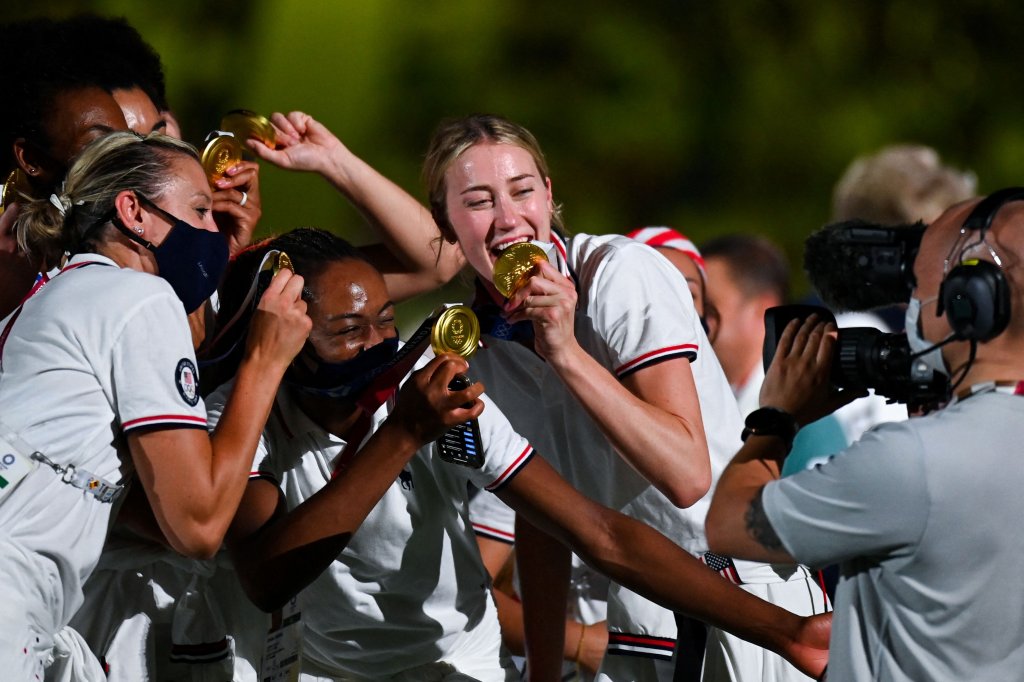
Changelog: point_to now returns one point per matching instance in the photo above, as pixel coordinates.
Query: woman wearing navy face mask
(355, 525)
(98, 380)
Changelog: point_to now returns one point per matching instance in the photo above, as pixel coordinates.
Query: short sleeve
(492, 518)
(641, 307)
(153, 366)
(262, 465)
(505, 451)
(869, 500)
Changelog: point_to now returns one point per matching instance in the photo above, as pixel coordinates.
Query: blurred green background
(711, 117)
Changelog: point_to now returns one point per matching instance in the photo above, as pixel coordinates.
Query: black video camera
(867, 358)
(855, 265)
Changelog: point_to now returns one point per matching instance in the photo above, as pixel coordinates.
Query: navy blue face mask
(341, 380)
(192, 260)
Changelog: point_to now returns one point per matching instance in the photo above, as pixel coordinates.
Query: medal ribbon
(40, 282)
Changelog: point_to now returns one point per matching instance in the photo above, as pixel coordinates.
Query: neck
(334, 417)
(127, 254)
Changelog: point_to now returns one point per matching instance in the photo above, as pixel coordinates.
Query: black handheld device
(461, 444)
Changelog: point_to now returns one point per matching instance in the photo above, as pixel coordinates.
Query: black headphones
(975, 295)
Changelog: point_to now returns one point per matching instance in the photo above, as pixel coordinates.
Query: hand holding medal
(537, 292)
(235, 180)
(457, 331)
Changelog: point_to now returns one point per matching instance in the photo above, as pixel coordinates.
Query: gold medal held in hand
(457, 330)
(245, 124)
(277, 261)
(13, 187)
(514, 266)
(222, 151)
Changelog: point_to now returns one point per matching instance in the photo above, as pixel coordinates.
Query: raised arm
(652, 417)
(193, 481)
(413, 258)
(798, 383)
(277, 554)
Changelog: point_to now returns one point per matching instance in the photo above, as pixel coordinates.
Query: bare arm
(583, 644)
(415, 259)
(195, 481)
(544, 566)
(643, 560)
(277, 554)
(652, 417)
(797, 382)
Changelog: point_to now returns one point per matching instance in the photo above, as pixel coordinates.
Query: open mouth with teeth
(497, 250)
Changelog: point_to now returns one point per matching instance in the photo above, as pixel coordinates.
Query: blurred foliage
(711, 117)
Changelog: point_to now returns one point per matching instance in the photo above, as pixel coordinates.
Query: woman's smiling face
(496, 197)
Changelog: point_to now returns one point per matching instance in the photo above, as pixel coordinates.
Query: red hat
(666, 237)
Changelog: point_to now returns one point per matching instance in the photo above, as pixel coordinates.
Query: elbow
(199, 542)
(687, 490)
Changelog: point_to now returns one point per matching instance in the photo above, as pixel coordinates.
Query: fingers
(241, 198)
(286, 284)
(284, 125)
(243, 176)
(275, 156)
(545, 289)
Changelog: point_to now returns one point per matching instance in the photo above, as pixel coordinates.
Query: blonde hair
(453, 137)
(900, 184)
(68, 220)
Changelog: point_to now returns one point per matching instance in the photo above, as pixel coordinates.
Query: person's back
(935, 599)
(916, 513)
(59, 392)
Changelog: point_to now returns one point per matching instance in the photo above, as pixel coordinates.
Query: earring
(138, 229)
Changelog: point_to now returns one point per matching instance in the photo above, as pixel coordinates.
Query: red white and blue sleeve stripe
(514, 468)
(263, 475)
(190, 421)
(493, 533)
(685, 350)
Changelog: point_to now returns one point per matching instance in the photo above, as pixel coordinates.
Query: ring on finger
(245, 198)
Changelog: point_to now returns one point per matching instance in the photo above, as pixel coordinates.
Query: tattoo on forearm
(759, 526)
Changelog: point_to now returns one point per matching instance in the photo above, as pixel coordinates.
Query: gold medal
(277, 261)
(283, 263)
(14, 186)
(222, 152)
(457, 330)
(246, 124)
(513, 267)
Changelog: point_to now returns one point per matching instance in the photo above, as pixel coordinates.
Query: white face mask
(931, 354)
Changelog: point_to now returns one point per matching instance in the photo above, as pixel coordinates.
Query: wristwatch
(771, 421)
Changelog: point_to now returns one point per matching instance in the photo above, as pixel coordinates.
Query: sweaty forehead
(80, 116)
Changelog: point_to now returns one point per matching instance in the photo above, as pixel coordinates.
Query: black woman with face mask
(355, 524)
(98, 380)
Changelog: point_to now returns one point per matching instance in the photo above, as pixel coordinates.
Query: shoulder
(104, 288)
(585, 249)
(619, 262)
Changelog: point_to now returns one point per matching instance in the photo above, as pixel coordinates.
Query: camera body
(867, 358)
(855, 265)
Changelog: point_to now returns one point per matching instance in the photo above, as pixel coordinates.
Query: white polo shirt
(634, 310)
(96, 352)
(410, 582)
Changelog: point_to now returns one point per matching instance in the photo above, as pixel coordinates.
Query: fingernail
(221, 182)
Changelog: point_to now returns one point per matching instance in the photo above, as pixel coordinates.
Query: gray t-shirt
(923, 518)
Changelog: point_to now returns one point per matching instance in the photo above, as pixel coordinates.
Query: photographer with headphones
(917, 513)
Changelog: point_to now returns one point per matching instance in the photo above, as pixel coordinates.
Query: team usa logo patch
(186, 378)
